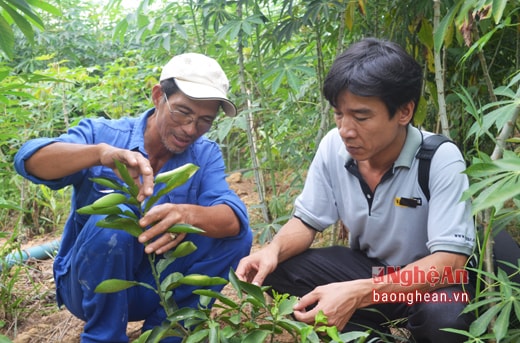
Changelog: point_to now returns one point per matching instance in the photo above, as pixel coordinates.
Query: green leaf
(439, 34)
(510, 164)
(183, 249)
(290, 325)
(498, 9)
(483, 169)
(198, 336)
(477, 187)
(125, 175)
(255, 336)
(172, 179)
(5, 339)
(130, 214)
(20, 21)
(202, 280)
(163, 264)
(185, 228)
(285, 307)
(457, 331)
(109, 200)
(185, 313)
(480, 325)
(502, 322)
(105, 205)
(102, 210)
(6, 38)
(352, 336)
(235, 282)
(47, 7)
(219, 296)
(497, 194)
(24, 7)
(516, 307)
(254, 291)
(159, 332)
(320, 318)
(120, 30)
(112, 184)
(171, 281)
(114, 221)
(115, 285)
(333, 333)
(187, 169)
(143, 338)
(425, 34)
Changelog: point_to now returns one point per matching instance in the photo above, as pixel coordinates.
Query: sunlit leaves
(291, 69)
(116, 221)
(20, 13)
(495, 182)
(498, 308)
(106, 202)
(116, 206)
(233, 28)
(254, 318)
(172, 180)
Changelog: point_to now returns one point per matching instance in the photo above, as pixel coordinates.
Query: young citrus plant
(252, 318)
(120, 217)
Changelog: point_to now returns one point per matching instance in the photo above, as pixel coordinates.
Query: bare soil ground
(40, 321)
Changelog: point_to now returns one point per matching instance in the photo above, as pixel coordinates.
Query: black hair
(169, 87)
(375, 68)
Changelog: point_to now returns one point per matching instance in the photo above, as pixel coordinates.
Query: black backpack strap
(425, 155)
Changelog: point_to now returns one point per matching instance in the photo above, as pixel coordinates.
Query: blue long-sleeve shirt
(206, 188)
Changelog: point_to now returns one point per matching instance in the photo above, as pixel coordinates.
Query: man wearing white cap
(191, 92)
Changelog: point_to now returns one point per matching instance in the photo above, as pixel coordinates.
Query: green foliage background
(101, 59)
(63, 60)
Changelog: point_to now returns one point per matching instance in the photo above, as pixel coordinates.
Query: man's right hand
(293, 238)
(255, 267)
(138, 166)
(61, 159)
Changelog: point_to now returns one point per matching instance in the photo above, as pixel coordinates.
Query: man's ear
(157, 95)
(405, 113)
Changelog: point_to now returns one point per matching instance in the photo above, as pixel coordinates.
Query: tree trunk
(250, 129)
(439, 74)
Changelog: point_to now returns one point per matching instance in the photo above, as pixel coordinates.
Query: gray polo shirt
(378, 224)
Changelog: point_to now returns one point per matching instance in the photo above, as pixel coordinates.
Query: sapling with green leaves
(262, 322)
(116, 207)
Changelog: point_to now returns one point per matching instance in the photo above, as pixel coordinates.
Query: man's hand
(255, 267)
(159, 219)
(293, 238)
(138, 166)
(337, 301)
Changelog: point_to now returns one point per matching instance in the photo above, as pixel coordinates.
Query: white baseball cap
(200, 77)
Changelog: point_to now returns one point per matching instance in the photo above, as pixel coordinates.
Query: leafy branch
(253, 318)
(116, 208)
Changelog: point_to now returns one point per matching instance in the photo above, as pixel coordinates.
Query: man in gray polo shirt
(407, 253)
